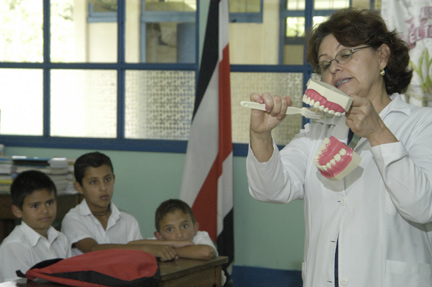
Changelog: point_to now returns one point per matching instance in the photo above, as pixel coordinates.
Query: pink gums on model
(333, 157)
(317, 97)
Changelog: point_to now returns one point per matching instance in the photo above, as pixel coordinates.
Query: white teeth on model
(333, 161)
(307, 100)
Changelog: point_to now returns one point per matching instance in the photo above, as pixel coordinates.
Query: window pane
(83, 31)
(366, 4)
(84, 103)
(159, 104)
(21, 33)
(163, 32)
(244, 6)
(256, 43)
(296, 4)
(168, 42)
(293, 54)
(295, 27)
(170, 5)
(331, 4)
(21, 105)
(283, 84)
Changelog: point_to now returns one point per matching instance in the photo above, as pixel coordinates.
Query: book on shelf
(59, 169)
(31, 161)
(6, 165)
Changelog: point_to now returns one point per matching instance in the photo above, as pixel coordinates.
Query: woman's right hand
(264, 122)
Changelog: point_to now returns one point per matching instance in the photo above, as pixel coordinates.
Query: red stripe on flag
(225, 137)
(205, 204)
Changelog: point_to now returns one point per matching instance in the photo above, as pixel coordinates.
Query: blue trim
(101, 17)
(167, 16)
(121, 74)
(258, 277)
(246, 17)
(46, 72)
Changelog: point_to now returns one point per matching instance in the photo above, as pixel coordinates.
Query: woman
(372, 228)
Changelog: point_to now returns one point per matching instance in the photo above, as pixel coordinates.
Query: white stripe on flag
(203, 145)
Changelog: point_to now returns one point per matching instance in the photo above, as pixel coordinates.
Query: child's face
(97, 187)
(177, 225)
(38, 211)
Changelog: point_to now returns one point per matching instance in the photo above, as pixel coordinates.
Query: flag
(207, 184)
(413, 21)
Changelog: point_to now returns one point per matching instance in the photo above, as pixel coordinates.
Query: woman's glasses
(342, 58)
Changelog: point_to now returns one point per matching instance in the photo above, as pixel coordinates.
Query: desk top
(168, 270)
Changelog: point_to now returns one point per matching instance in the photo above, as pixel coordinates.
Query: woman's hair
(352, 27)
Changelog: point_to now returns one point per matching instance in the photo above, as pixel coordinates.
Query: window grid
(120, 143)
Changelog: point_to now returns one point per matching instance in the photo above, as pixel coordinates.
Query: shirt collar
(33, 237)
(396, 105)
(84, 209)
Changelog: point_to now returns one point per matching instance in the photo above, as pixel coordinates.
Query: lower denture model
(335, 159)
(326, 98)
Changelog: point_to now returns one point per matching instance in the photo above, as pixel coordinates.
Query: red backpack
(112, 267)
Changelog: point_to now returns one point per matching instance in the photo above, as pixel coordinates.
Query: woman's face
(360, 76)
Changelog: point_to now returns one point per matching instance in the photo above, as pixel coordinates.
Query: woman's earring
(382, 73)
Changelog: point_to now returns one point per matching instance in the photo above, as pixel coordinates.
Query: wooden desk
(192, 273)
(7, 220)
(179, 273)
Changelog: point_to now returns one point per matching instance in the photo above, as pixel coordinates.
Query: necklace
(102, 213)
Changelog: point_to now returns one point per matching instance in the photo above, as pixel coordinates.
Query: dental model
(327, 98)
(335, 160)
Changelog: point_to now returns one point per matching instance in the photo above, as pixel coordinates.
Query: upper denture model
(326, 98)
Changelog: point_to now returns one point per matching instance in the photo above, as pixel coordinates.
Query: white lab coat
(380, 212)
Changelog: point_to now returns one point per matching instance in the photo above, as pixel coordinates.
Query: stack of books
(7, 170)
(59, 169)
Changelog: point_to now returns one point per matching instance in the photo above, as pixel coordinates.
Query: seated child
(176, 226)
(96, 223)
(33, 201)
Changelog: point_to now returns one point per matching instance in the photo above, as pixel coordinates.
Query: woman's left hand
(365, 122)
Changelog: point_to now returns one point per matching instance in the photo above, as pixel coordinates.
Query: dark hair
(353, 27)
(169, 206)
(27, 182)
(92, 159)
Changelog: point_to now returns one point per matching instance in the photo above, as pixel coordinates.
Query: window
(73, 84)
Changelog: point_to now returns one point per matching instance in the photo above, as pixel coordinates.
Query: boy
(96, 223)
(33, 201)
(176, 226)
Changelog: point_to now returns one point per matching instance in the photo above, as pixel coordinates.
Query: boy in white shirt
(96, 223)
(33, 201)
(176, 226)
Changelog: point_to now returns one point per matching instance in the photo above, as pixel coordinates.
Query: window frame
(145, 145)
(119, 142)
